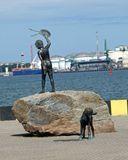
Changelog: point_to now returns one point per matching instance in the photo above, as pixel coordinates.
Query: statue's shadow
(59, 138)
(32, 135)
(23, 135)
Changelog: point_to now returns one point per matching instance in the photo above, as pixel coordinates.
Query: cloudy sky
(72, 23)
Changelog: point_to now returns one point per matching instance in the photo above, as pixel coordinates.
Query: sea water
(108, 86)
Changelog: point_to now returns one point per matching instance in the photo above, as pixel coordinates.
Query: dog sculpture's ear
(94, 113)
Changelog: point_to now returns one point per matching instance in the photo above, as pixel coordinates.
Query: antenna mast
(31, 52)
(97, 45)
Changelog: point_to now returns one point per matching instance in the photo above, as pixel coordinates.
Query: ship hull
(26, 72)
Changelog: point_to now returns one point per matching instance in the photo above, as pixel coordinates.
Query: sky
(73, 25)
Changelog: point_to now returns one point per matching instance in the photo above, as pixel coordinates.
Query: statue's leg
(84, 128)
(50, 74)
(43, 81)
(81, 130)
(92, 128)
(89, 132)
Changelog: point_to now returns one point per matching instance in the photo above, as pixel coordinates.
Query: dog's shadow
(66, 140)
(70, 140)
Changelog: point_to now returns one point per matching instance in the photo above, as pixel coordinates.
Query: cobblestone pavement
(16, 144)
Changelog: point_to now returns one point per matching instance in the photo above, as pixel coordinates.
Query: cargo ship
(32, 70)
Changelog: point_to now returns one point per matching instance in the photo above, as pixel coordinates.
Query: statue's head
(39, 44)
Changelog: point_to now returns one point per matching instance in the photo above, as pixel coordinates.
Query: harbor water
(108, 86)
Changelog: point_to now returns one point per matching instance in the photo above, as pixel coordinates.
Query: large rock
(59, 112)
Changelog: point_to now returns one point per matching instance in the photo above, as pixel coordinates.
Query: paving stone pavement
(16, 144)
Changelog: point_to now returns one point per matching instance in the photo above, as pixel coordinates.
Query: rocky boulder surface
(59, 113)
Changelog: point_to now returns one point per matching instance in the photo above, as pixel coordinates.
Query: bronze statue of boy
(43, 54)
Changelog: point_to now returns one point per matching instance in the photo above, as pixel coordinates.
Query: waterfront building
(120, 55)
(60, 63)
(68, 63)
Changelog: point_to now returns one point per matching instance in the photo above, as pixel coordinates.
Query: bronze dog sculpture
(87, 120)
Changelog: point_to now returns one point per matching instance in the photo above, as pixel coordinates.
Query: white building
(120, 54)
(60, 63)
